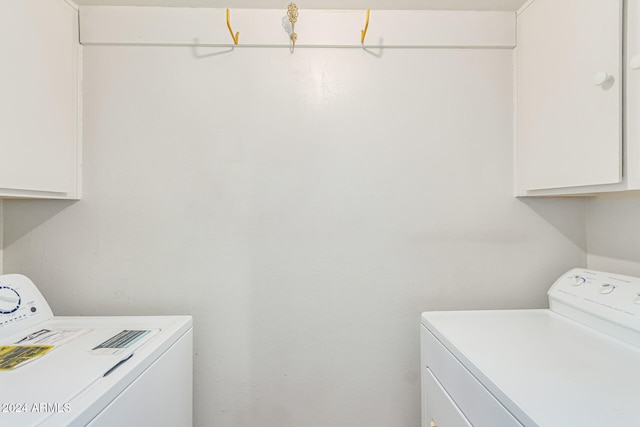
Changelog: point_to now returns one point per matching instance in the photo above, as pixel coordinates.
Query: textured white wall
(613, 234)
(305, 208)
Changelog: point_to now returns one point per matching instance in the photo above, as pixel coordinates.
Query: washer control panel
(21, 305)
(605, 301)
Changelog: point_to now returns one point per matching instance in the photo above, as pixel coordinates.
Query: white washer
(574, 364)
(97, 371)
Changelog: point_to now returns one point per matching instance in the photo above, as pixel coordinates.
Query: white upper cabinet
(39, 111)
(569, 97)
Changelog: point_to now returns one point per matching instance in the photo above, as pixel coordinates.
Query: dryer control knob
(9, 300)
(577, 280)
(606, 288)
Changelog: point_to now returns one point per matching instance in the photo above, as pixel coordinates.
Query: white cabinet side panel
(632, 93)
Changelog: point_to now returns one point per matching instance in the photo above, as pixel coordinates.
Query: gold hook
(292, 13)
(364, 32)
(235, 38)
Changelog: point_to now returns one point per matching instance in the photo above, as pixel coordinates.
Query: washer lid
(48, 384)
(71, 378)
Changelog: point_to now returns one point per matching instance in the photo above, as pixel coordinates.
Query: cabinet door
(568, 91)
(39, 77)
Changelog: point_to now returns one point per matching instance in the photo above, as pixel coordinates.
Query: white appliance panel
(444, 408)
(166, 384)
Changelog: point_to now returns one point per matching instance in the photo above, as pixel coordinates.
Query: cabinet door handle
(601, 78)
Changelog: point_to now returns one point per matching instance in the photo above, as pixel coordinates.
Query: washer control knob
(636, 299)
(9, 300)
(606, 288)
(578, 280)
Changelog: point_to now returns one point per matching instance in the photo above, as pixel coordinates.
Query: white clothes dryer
(574, 364)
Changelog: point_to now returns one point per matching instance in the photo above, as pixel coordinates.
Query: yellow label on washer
(13, 355)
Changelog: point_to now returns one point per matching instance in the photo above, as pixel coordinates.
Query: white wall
(305, 208)
(613, 233)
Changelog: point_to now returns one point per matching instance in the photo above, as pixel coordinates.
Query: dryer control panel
(607, 302)
(21, 305)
